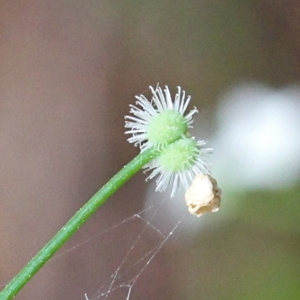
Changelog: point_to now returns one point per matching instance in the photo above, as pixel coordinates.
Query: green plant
(160, 128)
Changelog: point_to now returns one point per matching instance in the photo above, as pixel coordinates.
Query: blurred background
(69, 69)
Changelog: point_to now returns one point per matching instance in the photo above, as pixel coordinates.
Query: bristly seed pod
(162, 123)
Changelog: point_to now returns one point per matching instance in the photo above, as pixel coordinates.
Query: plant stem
(81, 216)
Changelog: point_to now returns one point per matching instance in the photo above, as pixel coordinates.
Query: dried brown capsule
(203, 195)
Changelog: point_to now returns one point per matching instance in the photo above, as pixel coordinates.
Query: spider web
(136, 259)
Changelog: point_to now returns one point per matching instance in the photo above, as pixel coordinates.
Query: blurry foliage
(253, 252)
(277, 211)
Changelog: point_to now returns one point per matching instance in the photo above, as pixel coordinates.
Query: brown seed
(203, 195)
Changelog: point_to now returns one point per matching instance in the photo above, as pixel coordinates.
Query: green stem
(81, 216)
